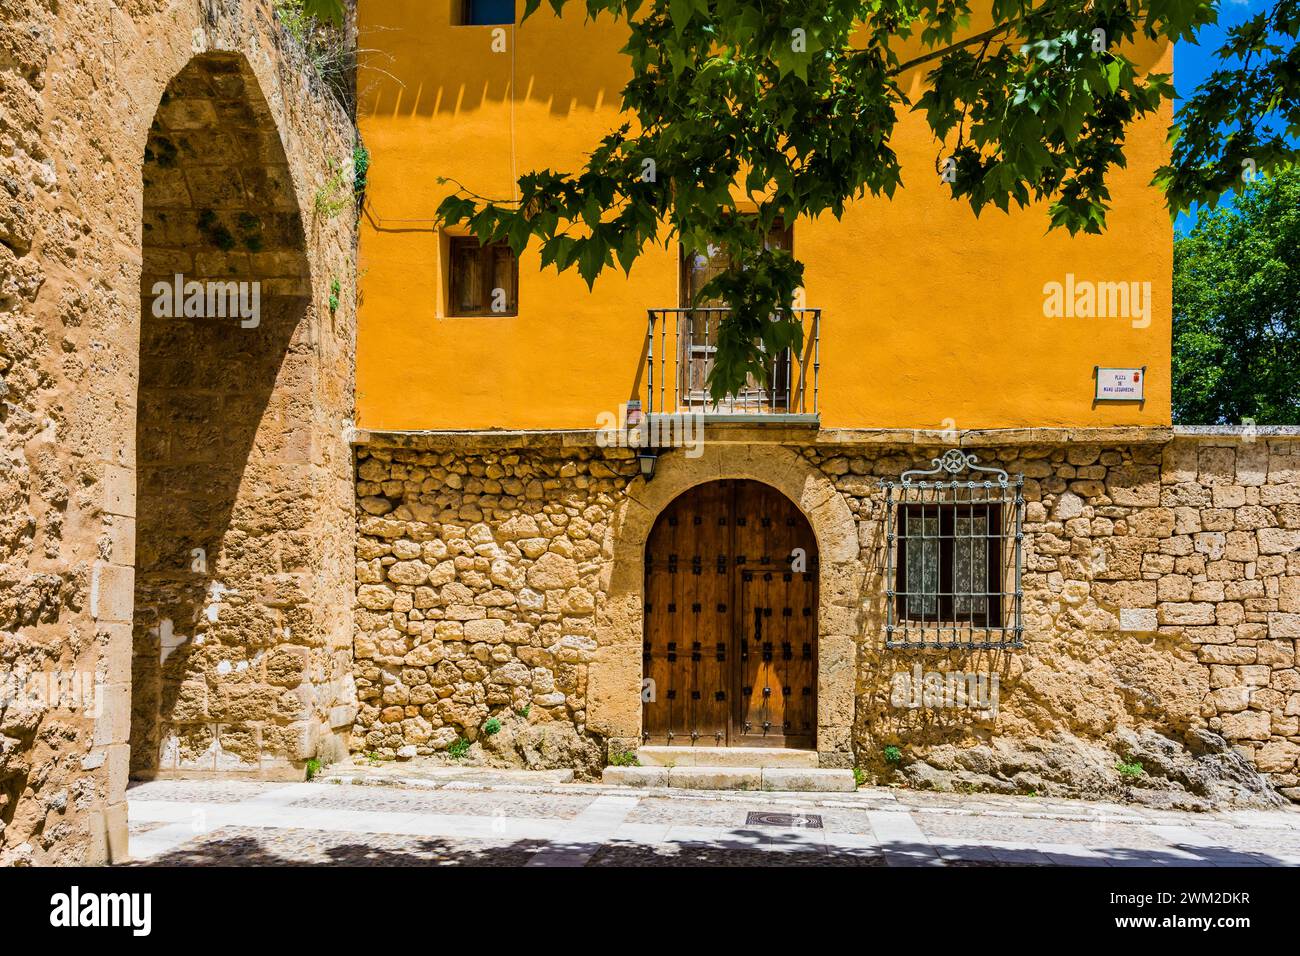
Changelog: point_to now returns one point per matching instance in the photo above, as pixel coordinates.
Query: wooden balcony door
(699, 336)
(730, 646)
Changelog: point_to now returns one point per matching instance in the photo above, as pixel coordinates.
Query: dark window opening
(482, 13)
(950, 564)
(484, 279)
(698, 268)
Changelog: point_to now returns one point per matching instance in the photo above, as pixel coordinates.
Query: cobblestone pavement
(495, 819)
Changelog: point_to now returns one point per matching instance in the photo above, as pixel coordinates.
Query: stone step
(800, 779)
(725, 757)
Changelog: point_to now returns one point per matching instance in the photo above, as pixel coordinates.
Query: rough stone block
(1248, 725)
(119, 491)
(822, 780)
(1282, 625)
(635, 776)
(1137, 619)
(715, 778)
(112, 592)
(1187, 613)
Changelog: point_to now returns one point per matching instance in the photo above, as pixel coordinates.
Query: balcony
(680, 349)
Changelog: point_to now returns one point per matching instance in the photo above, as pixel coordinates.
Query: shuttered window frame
(474, 271)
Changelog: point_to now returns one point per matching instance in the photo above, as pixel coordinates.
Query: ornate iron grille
(953, 556)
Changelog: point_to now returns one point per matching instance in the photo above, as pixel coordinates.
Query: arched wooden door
(730, 651)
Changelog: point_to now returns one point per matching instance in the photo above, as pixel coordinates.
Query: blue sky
(1193, 62)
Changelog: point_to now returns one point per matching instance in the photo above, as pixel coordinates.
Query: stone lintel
(783, 433)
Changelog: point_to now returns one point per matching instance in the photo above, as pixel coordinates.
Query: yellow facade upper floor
(926, 316)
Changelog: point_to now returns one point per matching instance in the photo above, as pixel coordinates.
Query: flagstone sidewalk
(505, 818)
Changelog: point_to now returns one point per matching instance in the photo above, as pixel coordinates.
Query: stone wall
(1159, 602)
(80, 89)
(477, 582)
(1158, 627)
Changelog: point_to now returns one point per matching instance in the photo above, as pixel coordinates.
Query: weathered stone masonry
(81, 87)
(493, 574)
(1161, 602)
(477, 582)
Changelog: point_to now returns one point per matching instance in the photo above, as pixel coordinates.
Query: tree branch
(984, 38)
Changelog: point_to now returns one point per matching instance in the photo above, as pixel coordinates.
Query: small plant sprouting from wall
(524, 710)
(893, 756)
(459, 749)
(1130, 769)
(319, 30)
(618, 757)
(313, 768)
(859, 777)
(335, 289)
(334, 195)
(360, 170)
(491, 726)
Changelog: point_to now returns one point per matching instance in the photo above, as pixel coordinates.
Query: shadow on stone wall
(223, 429)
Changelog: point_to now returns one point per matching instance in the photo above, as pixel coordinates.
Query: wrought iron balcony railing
(680, 349)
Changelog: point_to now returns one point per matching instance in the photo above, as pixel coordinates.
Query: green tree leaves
(1243, 120)
(791, 107)
(1237, 310)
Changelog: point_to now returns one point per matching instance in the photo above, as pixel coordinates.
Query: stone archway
(226, 641)
(75, 253)
(614, 682)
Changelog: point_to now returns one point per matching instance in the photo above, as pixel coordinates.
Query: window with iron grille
(953, 562)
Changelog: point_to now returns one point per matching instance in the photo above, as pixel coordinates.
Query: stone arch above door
(614, 689)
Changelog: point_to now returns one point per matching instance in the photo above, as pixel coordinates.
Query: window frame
(465, 8)
(946, 597)
(696, 352)
(486, 269)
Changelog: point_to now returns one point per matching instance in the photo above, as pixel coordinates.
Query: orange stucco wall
(931, 318)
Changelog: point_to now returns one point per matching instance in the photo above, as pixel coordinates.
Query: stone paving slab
(480, 823)
(432, 774)
(576, 842)
(256, 846)
(640, 855)
(1102, 833)
(202, 791)
(447, 801)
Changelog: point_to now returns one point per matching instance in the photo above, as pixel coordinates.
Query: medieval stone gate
(179, 137)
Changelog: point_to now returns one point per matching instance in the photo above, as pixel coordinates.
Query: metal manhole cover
(807, 821)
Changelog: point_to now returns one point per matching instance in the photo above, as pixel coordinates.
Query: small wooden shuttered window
(484, 279)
